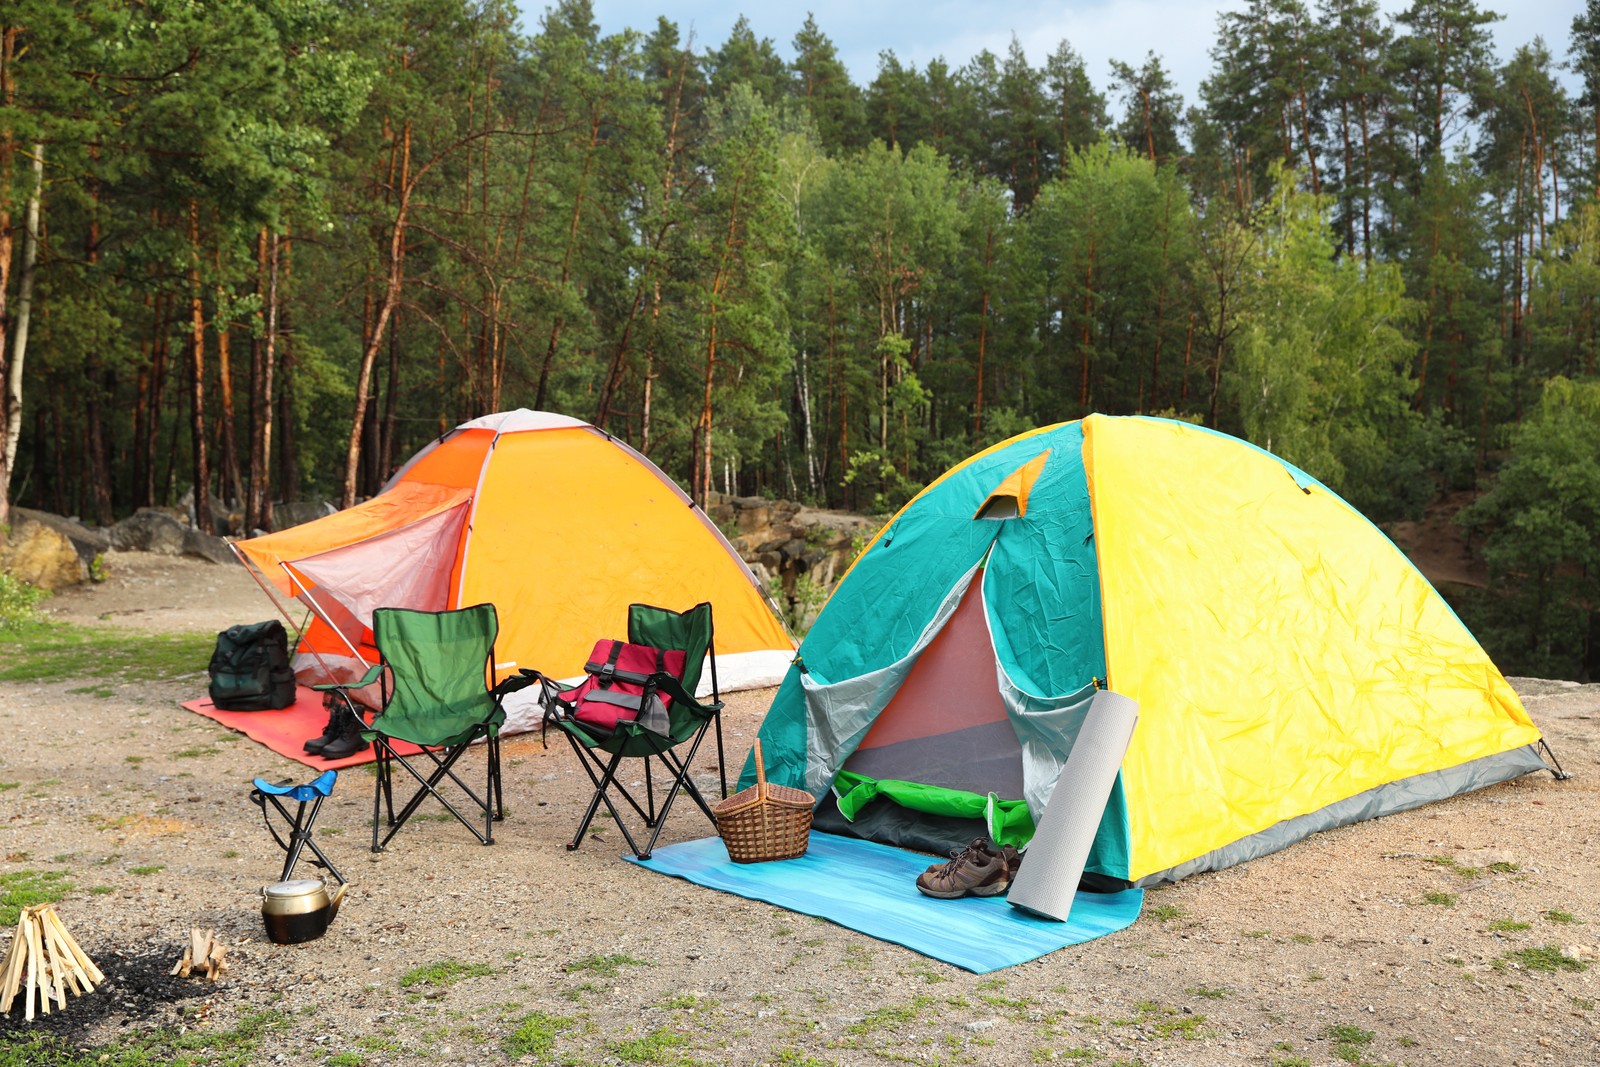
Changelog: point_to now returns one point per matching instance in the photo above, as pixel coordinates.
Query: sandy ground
(1410, 937)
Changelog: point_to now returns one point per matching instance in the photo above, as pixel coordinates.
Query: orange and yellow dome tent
(558, 524)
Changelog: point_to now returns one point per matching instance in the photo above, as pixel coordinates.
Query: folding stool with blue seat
(299, 823)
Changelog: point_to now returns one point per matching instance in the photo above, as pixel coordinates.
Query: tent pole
(1559, 774)
(311, 605)
(299, 630)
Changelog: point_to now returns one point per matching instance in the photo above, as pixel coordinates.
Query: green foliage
(18, 603)
(1540, 520)
(773, 281)
(1321, 375)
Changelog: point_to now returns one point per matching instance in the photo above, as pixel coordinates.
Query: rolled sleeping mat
(1060, 847)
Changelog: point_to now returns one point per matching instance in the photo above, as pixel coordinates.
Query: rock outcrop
(798, 553)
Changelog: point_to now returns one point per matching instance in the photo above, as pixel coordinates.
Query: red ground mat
(284, 731)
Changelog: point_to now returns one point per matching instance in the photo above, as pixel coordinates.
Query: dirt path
(1416, 938)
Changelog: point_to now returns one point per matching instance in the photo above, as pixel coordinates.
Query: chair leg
(603, 796)
(595, 768)
(429, 787)
(722, 763)
(377, 796)
(298, 826)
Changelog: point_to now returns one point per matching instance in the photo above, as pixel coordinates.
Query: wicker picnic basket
(765, 822)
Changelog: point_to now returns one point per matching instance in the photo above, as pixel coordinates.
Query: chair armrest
(374, 672)
(669, 685)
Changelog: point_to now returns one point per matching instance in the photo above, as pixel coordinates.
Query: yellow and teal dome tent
(1293, 670)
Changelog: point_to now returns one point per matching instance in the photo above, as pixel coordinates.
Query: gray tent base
(1390, 799)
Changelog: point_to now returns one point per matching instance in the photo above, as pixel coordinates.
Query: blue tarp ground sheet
(872, 888)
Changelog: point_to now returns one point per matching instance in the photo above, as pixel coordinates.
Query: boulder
(89, 541)
(149, 530)
(293, 513)
(41, 555)
(205, 546)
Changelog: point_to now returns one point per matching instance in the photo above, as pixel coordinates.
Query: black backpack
(250, 668)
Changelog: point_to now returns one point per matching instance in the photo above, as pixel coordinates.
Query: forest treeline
(254, 250)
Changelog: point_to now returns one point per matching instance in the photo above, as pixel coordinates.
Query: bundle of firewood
(44, 959)
(202, 955)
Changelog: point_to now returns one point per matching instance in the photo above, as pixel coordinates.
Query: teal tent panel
(1042, 585)
(871, 888)
(875, 617)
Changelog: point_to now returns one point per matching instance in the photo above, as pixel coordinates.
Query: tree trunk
(391, 297)
(288, 451)
(11, 408)
(197, 380)
(233, 492)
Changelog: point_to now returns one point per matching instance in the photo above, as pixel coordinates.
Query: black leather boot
(349, 740)
(330, 729)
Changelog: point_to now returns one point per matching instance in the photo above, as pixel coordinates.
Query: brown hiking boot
(978, 870)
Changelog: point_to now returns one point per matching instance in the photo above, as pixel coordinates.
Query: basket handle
(761, 773)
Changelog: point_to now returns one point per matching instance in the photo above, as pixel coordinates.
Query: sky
(1181, 32)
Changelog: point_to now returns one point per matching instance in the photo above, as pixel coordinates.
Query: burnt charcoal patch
(138, 992)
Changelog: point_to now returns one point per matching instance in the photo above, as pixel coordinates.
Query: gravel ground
(1416, 939)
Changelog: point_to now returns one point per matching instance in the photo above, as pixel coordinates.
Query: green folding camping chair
(602, 748)
(436, 676)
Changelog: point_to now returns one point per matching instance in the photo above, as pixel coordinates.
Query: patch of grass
(444, 974)
(1564, 918)
(604, 966)
(1207, 992)
(893, 1017)
(857, 957)
(1502, 867)
(534, 1035)
(1439, 898)
(1291, 1061)
(1508, 926)
(1349, 1042)
(1165, 912)
(1168, 1021)
(345, 1059)
(49, 651)
(202, 750)
(1546, 958)
(25, 888)
(237, 1047)
(1254, 933)
(1450, 864)
(135, 760)
(793, 1057)
(8, 785)
(658, 1046)
(1302, 939)
(147, 869)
